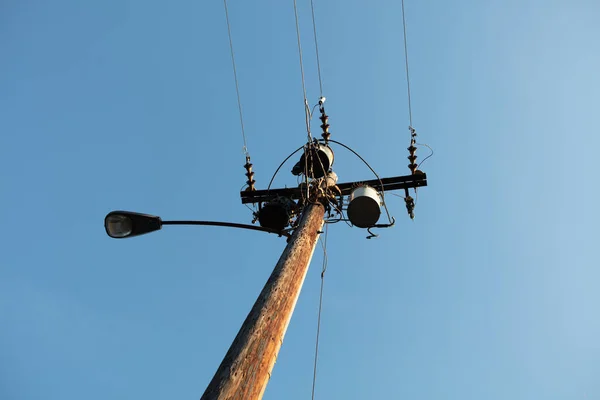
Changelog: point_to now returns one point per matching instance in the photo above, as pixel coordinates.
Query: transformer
(319, 162)
(364, 207)
(277, 213)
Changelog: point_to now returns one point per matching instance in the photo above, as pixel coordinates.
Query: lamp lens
(119, 226)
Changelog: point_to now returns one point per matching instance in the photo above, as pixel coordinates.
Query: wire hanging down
(237, 87)
(324, 244)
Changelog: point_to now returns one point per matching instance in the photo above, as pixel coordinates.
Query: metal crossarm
(385, 184)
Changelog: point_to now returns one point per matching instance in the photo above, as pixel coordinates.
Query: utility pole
(246, 368)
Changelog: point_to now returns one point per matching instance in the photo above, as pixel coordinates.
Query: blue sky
(491, 292)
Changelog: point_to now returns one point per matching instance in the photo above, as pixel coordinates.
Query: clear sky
(490, 293)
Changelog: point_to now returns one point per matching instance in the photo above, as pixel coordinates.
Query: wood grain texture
(246, 368)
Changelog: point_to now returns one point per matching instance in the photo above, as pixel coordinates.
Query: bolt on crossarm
(246, 368)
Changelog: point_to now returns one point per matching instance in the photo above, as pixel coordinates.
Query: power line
(406, 63)
(324, 244)
(312, 9)
(237, 88)
(306, 106)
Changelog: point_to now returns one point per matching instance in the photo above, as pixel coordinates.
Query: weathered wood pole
(246, 368)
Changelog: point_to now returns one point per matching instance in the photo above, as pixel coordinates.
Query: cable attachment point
(412, 151)
(324, 121)
(250, 175)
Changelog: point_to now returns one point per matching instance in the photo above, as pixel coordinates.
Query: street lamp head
(125, 224)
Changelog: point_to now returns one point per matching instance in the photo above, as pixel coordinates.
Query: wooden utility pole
(246, 368)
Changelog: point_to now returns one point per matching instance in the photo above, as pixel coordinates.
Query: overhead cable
(237, 88)
(306, 106)
(406, 64)
(312, 9)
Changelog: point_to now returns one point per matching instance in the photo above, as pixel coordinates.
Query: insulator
(412, 157)
(325, 124)
(250, 175)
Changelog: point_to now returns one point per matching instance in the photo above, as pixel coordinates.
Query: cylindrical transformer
(364, 207)
(319, 162)
(322, 161)
(276, 214)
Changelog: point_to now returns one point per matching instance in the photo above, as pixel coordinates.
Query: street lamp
(126, 224)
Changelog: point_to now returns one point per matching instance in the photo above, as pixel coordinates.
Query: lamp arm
(228, 224)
